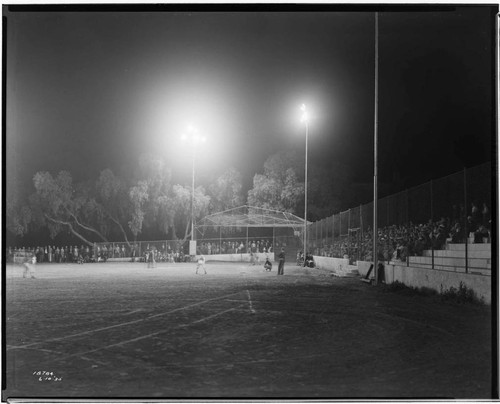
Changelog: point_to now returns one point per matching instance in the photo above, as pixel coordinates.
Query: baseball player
(201, 262)
(29, 268)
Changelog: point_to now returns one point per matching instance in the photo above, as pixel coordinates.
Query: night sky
(88, 90)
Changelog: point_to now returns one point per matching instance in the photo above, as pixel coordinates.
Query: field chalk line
(223, 365)
(121, 324)
(61, 353)
(250, 302)
(150, 335)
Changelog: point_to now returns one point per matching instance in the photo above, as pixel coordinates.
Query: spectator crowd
(395, 242)
(159, 251)
(235, 247)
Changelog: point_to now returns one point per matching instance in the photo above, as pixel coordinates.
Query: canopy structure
(249, 216)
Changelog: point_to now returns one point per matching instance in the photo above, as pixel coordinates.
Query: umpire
(281, 265)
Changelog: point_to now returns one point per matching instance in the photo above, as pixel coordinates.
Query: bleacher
(453, 259)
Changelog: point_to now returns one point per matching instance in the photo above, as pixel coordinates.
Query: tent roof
(249, 216)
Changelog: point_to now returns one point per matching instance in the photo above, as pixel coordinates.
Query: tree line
(127, 208)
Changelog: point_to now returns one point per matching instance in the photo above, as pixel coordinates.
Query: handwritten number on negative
(46, 376)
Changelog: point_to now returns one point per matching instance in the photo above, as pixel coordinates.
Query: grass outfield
(117, 330)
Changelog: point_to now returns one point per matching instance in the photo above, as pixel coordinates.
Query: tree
(156, 204)
(113, 196)
(279, 187)
(155, 176)
(18, 213)
(277, 165)
(60, 206)
(226, 191)
(182, 207)
(18, 218)
(138, 196)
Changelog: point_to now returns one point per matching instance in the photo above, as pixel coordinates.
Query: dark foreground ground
(123, 330)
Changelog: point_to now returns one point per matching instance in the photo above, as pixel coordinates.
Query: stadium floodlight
(194, 139)
(305, 119)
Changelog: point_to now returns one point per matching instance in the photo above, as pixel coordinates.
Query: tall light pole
(375, 161)
(192, 196)
(305, 120)
(193, 139)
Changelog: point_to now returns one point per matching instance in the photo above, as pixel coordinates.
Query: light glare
(304, 117)
(192, 135)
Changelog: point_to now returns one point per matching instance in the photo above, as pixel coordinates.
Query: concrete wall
(218, 257)
(237, 257)
(433, 279)
(330, 263)
(364, 267)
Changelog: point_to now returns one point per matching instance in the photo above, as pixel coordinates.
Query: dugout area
(122, 330)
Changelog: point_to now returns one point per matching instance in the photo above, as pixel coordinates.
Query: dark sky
(91, 90)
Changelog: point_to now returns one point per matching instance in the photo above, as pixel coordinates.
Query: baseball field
(122, 330)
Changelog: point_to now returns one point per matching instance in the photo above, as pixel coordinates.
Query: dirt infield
(119, 330)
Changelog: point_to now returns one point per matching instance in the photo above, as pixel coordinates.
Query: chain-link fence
(178, 251)
(214, 241)
(220, 240)
(455, 209)
(164, 250)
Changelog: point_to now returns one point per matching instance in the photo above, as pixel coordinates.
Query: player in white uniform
(201, 262)
(29, 268)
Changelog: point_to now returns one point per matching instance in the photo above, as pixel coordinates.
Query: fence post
(273, 239)
(340, 224)
(387, 204)
(321, 237)
(348, 221)
(432, 224)
(407, 209)
(316, 238)
(361, 238)
(466, 232)
(333, 231)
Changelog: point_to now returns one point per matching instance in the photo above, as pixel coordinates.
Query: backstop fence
(247, 239)
(165, 250)
(231, 241)
(456, 205)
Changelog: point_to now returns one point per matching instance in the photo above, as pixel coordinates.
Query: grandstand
(427, 235)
